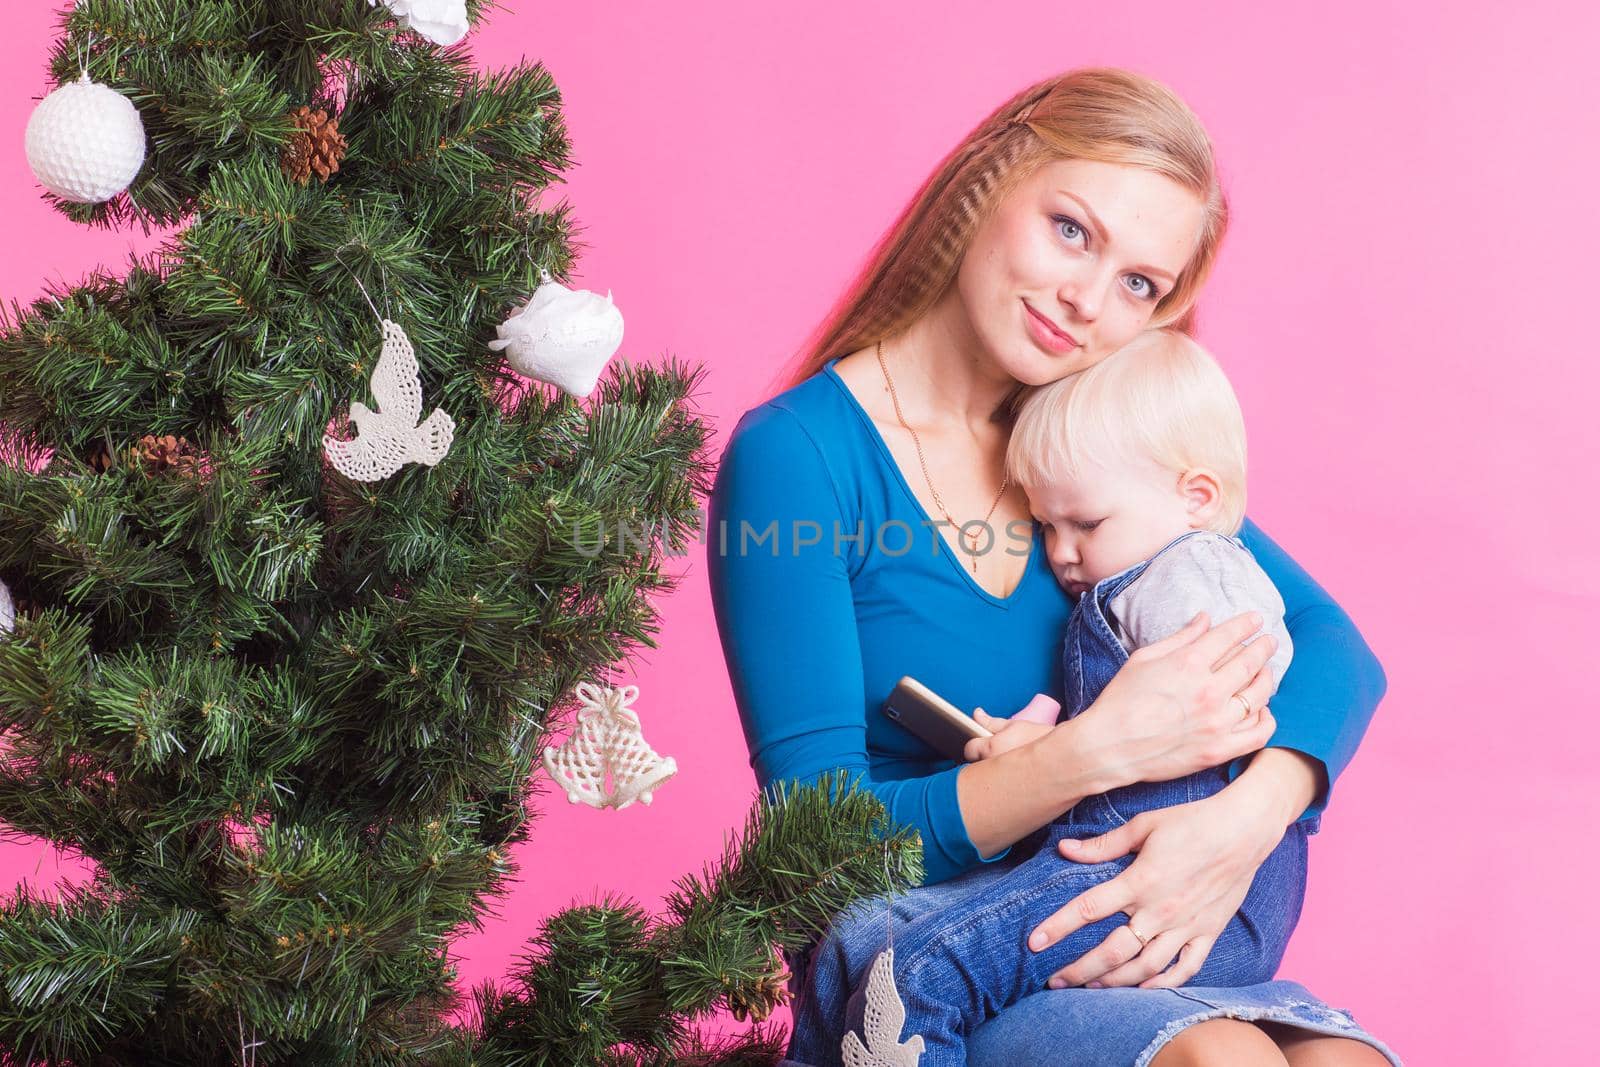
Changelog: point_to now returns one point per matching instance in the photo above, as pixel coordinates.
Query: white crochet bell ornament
(608, 737)
(562, 336)
(85, 142)
(440, 21)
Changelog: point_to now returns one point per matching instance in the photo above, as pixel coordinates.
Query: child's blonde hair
(1160, 397)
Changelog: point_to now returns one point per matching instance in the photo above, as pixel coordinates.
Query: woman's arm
(1331, 689)
(1168, 712)
(1006, 797)
(786, 617)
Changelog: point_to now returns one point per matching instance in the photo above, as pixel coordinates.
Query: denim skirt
(1128, 1026)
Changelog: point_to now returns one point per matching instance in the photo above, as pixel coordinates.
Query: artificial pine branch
(607, 975)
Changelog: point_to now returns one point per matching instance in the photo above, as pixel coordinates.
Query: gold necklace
(972, 549)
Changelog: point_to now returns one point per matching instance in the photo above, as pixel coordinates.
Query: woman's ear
(1202, 496)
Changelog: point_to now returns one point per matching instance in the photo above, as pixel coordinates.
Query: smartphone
(933, 718)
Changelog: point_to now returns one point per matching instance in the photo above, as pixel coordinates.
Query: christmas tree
(283, 666)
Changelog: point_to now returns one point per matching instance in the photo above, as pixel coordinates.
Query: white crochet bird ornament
(883, 1019)
(391, 437)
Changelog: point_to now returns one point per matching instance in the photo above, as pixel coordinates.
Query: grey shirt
(1205, 572)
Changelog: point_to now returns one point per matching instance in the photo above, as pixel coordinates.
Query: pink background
(1397, 303)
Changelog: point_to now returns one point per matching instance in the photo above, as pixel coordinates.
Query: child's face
(1107, 518)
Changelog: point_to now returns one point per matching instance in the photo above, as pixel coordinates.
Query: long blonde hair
(1098, 113)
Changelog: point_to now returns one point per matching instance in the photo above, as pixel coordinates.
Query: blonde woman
(863, 528)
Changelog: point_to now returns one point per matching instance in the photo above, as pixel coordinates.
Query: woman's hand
(1172, 709)
(1194, 866)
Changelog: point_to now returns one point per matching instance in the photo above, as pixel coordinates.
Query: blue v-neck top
(829, 581)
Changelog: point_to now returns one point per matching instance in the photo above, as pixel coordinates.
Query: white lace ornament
(8, 610)
(440, 21)
(607, 738)
(562, 336)
(390, 437)
(883, 1018)
(85, 142)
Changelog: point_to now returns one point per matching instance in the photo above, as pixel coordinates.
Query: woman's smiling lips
(1044, 331)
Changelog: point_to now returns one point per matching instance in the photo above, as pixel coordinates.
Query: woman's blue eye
(1142, 287)
(1062, 221)
(1146, 288)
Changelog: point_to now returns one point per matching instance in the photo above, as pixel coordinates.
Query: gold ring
(1142, 940)
(1245, 704)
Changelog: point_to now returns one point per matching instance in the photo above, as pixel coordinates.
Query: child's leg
(1253, 943)
(960, 965)
(823, 981)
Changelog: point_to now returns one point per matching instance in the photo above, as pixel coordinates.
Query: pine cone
(100, 457)
(318, 146)
(770, 991)
(166, 453)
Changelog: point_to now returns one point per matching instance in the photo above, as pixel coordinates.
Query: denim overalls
(960, 951)
(1090, 656)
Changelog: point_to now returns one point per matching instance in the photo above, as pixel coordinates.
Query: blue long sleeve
(1328, 695)
(787, 622)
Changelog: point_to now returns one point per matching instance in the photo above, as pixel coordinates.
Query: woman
(1082, 211)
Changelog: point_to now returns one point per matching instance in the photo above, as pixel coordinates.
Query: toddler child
(1137, 467)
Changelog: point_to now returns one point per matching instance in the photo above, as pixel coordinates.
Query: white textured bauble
(562, 336)
(440, 21)
(85, 142)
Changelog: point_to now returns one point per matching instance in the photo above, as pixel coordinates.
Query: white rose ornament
(562, 336)
(440, 21)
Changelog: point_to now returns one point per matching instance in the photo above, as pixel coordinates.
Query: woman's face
(1091, 247)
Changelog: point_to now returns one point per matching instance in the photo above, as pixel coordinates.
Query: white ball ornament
(440, 21)
(85, 142)
(562, 336)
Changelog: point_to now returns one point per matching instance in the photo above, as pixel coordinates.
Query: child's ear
(1202, 496)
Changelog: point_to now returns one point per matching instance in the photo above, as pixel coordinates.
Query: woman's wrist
(1276, 788)
(1083, 763)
